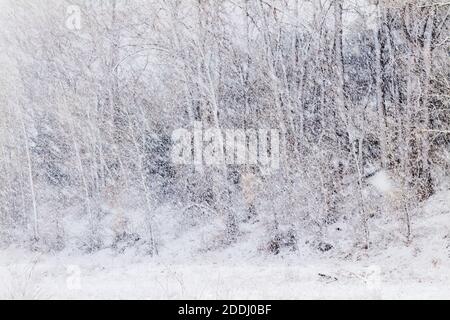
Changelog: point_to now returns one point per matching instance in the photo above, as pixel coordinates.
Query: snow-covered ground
(102, 276)
(418, 270)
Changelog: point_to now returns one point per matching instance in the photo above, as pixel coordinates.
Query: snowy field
(68, 277)
(420, 270)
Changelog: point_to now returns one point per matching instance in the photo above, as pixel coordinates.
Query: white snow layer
(418, 270)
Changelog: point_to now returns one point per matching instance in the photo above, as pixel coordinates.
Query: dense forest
(353, 95)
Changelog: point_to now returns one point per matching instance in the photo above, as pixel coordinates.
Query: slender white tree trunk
(30, 177)
(379, 90)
